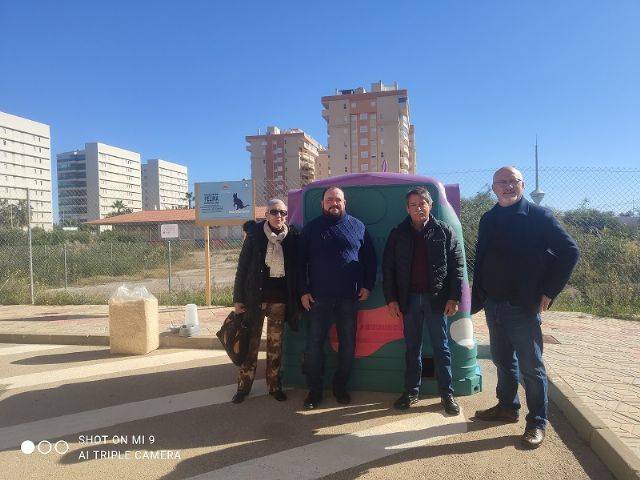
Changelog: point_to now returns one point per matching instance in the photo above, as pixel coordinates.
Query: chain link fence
(79, 263)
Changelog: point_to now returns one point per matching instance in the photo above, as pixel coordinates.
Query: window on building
(345, 156)
(364, 142)
(363, 116)
(364, 154)
(344, 106)
(364, 129)
(364, 167)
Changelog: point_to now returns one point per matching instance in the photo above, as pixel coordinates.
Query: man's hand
(394, 309)
(544, 303)
(306, 301)
(363, 294)
(238, 308)
(451, 308)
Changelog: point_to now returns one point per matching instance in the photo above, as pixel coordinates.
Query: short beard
(329, 214)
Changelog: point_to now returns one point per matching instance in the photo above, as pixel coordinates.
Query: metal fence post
(64, 246)
(169, 242)
(30, 247)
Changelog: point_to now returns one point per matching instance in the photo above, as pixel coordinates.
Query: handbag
(234, 335)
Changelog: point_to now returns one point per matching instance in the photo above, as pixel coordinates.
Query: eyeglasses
(275, 211)
(504, 183)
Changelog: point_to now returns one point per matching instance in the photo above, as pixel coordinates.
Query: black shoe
(342, 396)
(498, 414)
(533, 437)
(312, 401)
(239, 397)
(450, 405)
(278, 395)
(405, 401)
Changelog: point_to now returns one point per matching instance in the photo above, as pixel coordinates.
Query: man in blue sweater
(338, 269)
(524, 258)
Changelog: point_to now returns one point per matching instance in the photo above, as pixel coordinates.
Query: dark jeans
(418, 314)
(516, 344)
(323, 313)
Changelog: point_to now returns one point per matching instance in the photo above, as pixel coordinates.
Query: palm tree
(119, 208)
(189, 196)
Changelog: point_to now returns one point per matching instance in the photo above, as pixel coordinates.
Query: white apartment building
(164, 185)
(281, 161)
(25, 163)
(370, 131)
(90, 181)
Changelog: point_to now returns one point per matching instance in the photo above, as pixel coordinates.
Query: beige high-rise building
(281, 161)
(90, 181)
(25, 163)
(370, 131)
(164, 185)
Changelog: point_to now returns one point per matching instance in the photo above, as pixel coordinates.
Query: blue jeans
(516, 344)
(323, 313)
(419, 313)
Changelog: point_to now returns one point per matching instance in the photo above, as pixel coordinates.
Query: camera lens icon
(27, 447)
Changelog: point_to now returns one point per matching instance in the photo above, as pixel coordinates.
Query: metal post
(64, 246)
(207, 268)
(169, 242)
(33, 300)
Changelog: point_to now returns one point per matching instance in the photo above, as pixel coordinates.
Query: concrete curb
(619, 458)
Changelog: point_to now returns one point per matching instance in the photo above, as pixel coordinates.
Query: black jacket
(444, 256)
(544, 255)
(248, 285)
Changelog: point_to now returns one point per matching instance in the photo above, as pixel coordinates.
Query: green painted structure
(378, 200)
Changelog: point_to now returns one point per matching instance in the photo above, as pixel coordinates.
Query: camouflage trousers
(275, 313)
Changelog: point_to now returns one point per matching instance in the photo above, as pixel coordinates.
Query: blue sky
(187, 80)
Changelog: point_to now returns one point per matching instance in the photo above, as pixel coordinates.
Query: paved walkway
(593, 363)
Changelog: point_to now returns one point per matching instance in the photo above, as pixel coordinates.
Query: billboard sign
(224, 201)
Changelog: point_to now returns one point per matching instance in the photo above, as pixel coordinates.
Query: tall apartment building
(280, 161)
(370, 131)
(164, 185)
(90, 181)
(323, 169)
(25, 163)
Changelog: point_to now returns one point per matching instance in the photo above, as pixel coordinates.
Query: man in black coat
(524, 258)
(266, 285)
(423, 270)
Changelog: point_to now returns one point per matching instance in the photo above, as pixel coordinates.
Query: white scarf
(274, 259)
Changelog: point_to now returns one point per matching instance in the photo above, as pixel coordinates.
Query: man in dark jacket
(524, 258)
(423, 271)
(266, 285)
(338, 268)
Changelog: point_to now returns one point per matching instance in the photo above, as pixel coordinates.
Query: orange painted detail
(376, 328)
